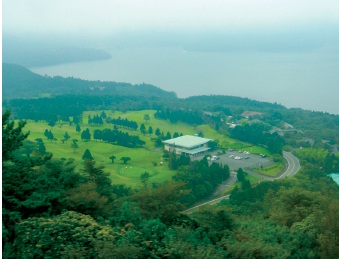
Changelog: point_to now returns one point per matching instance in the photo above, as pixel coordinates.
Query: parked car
(214, 158)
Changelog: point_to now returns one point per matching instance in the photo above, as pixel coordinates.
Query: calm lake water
(308, 80)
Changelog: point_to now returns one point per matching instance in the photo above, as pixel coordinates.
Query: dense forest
(50, 210)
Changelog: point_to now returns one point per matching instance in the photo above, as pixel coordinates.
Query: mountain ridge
(19, 82)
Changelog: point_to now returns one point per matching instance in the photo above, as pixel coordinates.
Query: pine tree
(77, 128)
(87, 155)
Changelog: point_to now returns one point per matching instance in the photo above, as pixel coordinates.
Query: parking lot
(229, 158)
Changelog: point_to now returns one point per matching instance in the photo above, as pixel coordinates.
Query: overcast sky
(103, 16)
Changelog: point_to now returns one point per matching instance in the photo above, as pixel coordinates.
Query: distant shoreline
(48, 56)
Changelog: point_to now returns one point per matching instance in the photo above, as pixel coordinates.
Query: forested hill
(19, 82)
(231, 101)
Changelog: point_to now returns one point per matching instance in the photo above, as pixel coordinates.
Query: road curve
(293, 166)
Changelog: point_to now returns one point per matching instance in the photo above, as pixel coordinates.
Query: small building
(188, 145)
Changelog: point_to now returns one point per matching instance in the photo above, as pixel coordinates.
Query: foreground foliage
(49, 210)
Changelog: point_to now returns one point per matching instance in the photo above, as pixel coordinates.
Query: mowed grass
(142, 159)
(272, 170)
(129, 174)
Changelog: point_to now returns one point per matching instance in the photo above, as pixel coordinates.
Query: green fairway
(146, 159)
(141, 161)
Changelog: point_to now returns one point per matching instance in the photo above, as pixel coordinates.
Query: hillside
(19, 82)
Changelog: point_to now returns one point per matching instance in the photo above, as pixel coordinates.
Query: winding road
(293, 166)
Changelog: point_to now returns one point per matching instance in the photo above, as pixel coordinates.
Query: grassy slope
(141, 158)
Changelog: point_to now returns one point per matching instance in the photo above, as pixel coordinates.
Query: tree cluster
(118, 137)
(49, 134)
(123, 123)
(95, 120)
(257, 133)
(186, 116)
(201, 177)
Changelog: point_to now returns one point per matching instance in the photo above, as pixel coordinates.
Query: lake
(308, 80)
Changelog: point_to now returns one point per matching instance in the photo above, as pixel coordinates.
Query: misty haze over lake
(303, 78)
(276, 51)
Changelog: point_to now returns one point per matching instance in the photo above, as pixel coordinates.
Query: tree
(143, 128)
(74, 144)
(51, 123)
(241, 175)
(150, 130)
(112, 158)
(157, 132)
(168, 135)
(103, 115)
(100, 178)
(144, 178)
(77, 128)
(125, 159)
(11, 137)
(86, 135)
(87, 155)
(245, 185)
(49, 134)
(66, 136)
(40, 148)
(97, 134)
(146, 117)
(27, 148)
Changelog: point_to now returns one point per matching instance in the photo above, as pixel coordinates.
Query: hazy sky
(102, 16)
(265, 49)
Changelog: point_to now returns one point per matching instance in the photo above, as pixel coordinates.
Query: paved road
(292, 168)
(208, 202)
(227, 184)
(293, 165)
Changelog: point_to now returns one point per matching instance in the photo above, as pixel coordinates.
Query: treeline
(186, 116)
(65, 107)
(19, 82)
(257, 133)
(51, 210)
(119, 137)
(123, 123)
(99, 120)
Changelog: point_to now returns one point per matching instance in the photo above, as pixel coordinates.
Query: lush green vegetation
(50, 210)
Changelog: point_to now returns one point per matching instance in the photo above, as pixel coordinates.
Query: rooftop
(187, 141)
